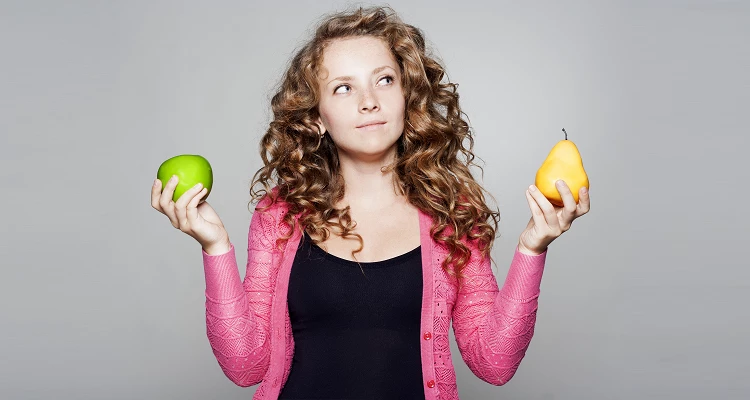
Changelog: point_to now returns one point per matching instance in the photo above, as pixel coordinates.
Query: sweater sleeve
(494, 327)
(238, 313)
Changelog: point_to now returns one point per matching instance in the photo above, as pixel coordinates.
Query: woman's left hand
(547, 221)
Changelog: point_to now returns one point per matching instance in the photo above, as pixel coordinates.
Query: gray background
(645, 298)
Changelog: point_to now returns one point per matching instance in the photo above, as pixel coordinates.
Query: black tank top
(355, 336)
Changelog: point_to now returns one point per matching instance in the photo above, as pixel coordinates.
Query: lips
(371, 124)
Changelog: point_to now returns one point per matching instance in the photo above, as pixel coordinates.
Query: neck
(368, 188)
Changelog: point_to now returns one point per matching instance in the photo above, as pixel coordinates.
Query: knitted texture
(493, 327)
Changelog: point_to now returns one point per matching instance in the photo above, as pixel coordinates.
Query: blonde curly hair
(432, 164)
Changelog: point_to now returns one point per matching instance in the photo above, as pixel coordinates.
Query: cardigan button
(430, 384)
(427, 336)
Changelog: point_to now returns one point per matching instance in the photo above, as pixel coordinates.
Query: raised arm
(238, 313)
(493, 327)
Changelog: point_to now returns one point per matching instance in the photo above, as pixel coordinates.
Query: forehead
(356, 55)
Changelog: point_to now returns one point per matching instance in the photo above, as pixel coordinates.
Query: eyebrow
(349, 78)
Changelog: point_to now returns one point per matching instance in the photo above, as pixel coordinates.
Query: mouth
(371, 125)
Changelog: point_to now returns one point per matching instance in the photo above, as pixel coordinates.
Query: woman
(370, 235)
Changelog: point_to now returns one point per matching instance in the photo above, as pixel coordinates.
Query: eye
(387, 77)
(336, 90)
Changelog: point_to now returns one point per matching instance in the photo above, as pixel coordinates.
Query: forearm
(236, 323)
(494, 327)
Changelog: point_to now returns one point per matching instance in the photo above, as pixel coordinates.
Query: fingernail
(532, 188)
(198, 185)
(173, 178)
(584, 190)
(156, 182)
(559, 183)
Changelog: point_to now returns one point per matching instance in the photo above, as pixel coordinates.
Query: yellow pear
(563, 162)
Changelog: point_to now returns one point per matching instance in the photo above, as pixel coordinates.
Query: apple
(190, 169)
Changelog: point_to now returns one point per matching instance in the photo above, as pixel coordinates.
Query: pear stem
(566, 134)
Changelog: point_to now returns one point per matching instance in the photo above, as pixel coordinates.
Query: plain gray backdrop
(646, 297)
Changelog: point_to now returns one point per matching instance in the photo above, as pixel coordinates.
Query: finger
(570, 207)
(192, 208)
(183, 201)
(166, 202)
(536, 213)
(155, 194)
(181, 204)
(584, 201)
(550, 215)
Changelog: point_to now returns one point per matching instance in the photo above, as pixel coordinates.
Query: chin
(369, 153)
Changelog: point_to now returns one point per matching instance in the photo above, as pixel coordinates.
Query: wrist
(531, 252)
(217, 248)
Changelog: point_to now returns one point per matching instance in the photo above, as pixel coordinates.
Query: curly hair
(432, 164)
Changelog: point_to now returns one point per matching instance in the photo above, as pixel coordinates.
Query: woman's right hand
(200, 221)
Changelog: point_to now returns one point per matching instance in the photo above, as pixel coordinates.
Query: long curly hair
(432, 165)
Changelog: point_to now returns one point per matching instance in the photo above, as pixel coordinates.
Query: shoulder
(272, 203)
(269, 220)
(447, 231)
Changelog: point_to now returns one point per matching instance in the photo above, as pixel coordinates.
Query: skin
(548, 221)
(369, 90)
(360, 82)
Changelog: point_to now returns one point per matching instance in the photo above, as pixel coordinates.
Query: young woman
(370, 235)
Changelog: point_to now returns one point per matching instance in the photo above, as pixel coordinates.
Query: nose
(368, 101)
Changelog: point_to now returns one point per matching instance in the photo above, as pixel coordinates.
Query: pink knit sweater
(250, 332)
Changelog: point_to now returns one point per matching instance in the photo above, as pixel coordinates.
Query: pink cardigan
(250, 332)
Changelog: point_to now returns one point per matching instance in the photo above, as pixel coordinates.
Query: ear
(321, 126)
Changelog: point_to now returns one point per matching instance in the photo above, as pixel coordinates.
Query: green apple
(190, 169)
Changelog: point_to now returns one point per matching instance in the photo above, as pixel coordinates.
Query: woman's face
(361, 103)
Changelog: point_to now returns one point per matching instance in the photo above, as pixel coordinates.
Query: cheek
(325, 114)
(334, 118)
(400, 108)
(324, 119)
(399, 101)
(330, 120)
